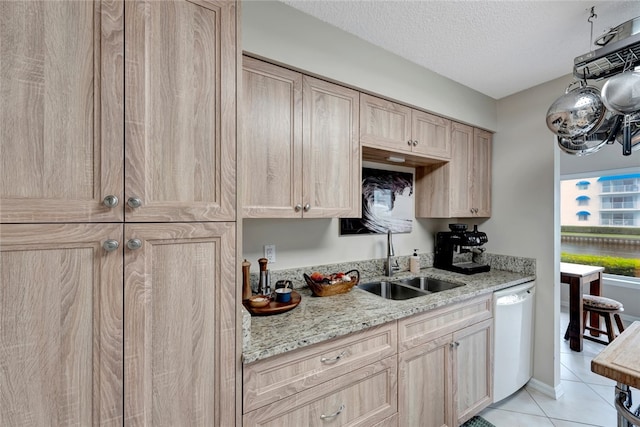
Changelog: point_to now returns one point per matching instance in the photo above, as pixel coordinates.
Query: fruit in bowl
(330, 279)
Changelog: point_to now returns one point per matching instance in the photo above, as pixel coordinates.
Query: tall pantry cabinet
(118, 210)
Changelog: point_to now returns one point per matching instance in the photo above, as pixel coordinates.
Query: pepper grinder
(263, 283)
(246, 280)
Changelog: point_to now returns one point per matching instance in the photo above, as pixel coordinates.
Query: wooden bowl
(326, 290)
(258, 301)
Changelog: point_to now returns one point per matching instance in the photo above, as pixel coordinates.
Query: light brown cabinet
(444, 366)
(301, 154)
(84, 347)
(462, 187)
(348, 381)
(119, 313)
(396, 128)
(64, 157)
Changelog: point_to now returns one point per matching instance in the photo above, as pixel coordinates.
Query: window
(583, 200)
(608, 234)
(583, 216)
(583, 185)
(618, 202)
(617, 218)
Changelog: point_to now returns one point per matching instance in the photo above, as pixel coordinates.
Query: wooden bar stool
(606, 307)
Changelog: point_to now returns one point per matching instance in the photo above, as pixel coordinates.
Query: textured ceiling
(495, 47)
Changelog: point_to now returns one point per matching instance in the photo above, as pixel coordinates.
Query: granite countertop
(318, 319)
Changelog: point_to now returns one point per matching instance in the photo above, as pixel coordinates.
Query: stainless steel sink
(428, 284)
(391, 290)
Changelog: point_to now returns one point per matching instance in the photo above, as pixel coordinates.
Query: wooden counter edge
(605, 363)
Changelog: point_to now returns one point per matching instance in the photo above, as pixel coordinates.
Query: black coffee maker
(460, 241)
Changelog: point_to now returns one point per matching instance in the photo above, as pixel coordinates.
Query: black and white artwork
(387, 204)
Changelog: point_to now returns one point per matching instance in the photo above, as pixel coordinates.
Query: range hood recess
(608, 60)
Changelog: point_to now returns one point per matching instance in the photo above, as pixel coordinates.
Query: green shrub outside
(623, 231)
(612, 265)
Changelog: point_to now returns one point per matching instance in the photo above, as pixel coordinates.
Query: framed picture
(387, 204)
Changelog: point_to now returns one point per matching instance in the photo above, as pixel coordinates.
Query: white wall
(281, 33)
(526, 208)
(525, 193)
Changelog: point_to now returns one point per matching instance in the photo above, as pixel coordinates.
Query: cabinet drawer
(425, 327)
(363, 398)
(272, 379)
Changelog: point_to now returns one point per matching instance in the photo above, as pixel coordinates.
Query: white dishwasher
(513, 339)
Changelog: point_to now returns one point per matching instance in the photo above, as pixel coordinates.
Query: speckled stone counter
(317, 319)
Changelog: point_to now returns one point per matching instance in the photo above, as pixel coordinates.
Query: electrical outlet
(270, 252)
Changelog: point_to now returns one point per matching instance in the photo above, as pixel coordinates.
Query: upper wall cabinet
(462, 187)
(61, 113)
(397, 128)
(301, 156)
(74, 148)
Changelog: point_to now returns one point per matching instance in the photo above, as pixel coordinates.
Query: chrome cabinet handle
(330, 361)
(409, 142)
(134, 202)
(110, 245)
(454, 344)
(415, 142)
(298, 207)
(110, 201)
(335, 414)
(307, 207)
(134, 244)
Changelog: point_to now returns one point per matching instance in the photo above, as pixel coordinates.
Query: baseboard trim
(547, 390)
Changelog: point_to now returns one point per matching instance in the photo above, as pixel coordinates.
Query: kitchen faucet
(389, 267)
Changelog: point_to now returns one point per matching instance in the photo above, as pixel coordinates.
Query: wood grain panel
(272, 140)
(180, 110)
(367, 396)
(432, 135)
(424, 385)
(180, 325)
(61, 75)
(482, 172)
(461, 171)
(331, 151)
(473, 372)
(282, 376)
(427, 326)
(384, 124)
(61, 324)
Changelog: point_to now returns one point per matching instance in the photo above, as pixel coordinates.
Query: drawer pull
(335, 414)
(330, 361)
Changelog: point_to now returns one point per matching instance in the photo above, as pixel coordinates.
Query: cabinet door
(431, 135)
(331, 150)
(424, 385)
(384, 124)
(180, 110)
(179, 312)
(481, 182)
(473, 365)
(461, 169)
(61, 325)
(271, 138)
(61, 111)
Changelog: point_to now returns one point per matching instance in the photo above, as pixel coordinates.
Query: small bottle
(414, 262)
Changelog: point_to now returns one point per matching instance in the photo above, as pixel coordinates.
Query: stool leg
(619, 322)
(610, 332)
(584, 320)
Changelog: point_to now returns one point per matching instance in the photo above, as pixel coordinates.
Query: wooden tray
(274, 307)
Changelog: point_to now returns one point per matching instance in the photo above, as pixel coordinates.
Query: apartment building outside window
(600, 221)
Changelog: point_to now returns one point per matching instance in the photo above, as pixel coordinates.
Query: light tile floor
(587, 399)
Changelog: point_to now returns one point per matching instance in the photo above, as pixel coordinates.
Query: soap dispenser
(414, 262)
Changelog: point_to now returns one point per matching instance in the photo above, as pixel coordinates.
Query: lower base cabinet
(363, 398)
(445, 371)
(432, 369)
